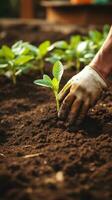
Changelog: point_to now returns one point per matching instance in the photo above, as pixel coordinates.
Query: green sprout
(54, 83)
(42, 51)
(22, 57)
(38, 53)
(12, 65)
(79, 51)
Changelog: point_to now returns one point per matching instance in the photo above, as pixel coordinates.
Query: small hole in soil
(56, 167)
(92, 127)
(3, 137)
(85, 196)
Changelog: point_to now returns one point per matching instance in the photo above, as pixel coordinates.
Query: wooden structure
(26, 9)
(64, 12)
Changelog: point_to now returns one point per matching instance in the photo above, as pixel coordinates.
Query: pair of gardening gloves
(79, 94)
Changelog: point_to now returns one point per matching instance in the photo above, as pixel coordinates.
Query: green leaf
(59, 44)
(17, 44)
(69, 55)
(43, 48)
(22, 60)
(47, 78)
(20, 48)
(43, 82)
(1, 53)
(2, 66)
(7, 52)
(106, 29)
(55, 84)
(21, 51)
(24, 48)
(74, 41)
(32, 48)
(53, 59)
(89, 55)
(58, 52)
(82, 46)
(96, 36)
(58, 70)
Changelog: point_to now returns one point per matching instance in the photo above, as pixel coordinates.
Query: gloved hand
(79, 94)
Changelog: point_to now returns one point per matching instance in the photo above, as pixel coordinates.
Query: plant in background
(57, 51)
(39, 53)
(76, 48)
(42, 51)
(21, 58)
(53, 83)
(79, 50)
(69, 53)
(12, 65)
(24, 48)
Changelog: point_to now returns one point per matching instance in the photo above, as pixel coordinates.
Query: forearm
(102, 62)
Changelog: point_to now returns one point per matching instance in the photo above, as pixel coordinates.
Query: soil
(43, 159)
(37, 33)
(32, 33)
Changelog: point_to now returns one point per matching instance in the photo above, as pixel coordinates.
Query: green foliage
(38, 53)
(59, 44)
(79, 50)
(12, 63)
(42, 51)
(21, 58)
(53, 83)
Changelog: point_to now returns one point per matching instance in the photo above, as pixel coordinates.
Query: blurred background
(82, 12)
(50, 17)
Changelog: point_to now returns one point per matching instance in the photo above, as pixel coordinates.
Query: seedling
(39, 53)
(12, 65)
(24, 48)
(60, 50)
(79, 51)
(69, 53)
(42, 51)
(54, 83)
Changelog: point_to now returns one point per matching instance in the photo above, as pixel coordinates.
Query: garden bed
(29, 126)
(41, 158)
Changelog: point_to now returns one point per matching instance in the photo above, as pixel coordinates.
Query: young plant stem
(13, 75)
(41, 66)
(14, 78)
(57, 101)
(78, 65)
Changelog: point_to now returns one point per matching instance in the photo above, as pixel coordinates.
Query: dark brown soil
(40, 158)
(37, 33)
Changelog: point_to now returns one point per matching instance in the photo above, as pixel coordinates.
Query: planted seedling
(12, 65)
(24, 48)
(59, 51)
(42, 51)
(79, 51)
(53, 83)
(39, 53)
(69, 53)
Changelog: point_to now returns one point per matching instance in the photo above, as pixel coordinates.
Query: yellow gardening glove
(79, 94)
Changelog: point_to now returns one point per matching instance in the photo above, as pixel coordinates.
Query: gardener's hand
(79, 94)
